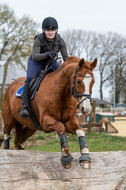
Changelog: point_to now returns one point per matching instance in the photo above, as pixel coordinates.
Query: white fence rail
(118, 111)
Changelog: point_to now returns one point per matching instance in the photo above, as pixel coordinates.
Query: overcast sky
(101, 16)
(95, 15)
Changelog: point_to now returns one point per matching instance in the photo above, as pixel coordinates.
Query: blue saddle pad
(19, 92)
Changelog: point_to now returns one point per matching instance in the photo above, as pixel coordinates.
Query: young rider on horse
(45, 48)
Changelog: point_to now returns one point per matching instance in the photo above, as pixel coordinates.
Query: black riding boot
(25, 99)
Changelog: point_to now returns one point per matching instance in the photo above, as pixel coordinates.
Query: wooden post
(91, 116)
(106, 126)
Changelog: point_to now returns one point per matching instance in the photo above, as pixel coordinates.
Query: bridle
(73, 91)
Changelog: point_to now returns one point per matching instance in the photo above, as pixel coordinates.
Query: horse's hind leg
(1, 141)
(8, 119)
(8, 126)
(21, 135)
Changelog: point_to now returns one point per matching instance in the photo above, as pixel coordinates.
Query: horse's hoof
(6, 144)
(67, 166)
(20, 147)
(85, 161)
(85, 165)
(66, 161)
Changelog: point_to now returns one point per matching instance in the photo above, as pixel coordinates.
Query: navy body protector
(44, 44)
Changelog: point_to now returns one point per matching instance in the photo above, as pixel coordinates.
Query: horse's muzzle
(85, 111)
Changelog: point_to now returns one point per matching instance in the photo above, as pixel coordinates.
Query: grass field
(97, 142)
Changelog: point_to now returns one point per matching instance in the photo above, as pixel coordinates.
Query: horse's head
(83, 83)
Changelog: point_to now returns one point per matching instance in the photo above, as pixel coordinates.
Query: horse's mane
(69, 60)
(75, 60)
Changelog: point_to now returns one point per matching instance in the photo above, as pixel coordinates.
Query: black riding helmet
(49, 23)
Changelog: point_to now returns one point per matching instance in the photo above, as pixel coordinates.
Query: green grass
(97, 142)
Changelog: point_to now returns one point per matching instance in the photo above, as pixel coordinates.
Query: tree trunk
(32, 170)
(101, 84)
(3, 90)
(3, 83)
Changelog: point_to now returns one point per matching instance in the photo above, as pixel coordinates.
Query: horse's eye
(78, 81)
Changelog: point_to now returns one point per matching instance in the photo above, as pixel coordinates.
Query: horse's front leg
(49, 125)
(72, 126)
(84, 158)
(66, 158)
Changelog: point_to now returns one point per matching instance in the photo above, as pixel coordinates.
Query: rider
(45, 48)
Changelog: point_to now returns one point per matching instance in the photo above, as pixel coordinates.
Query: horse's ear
(93, 64)
(81, 63)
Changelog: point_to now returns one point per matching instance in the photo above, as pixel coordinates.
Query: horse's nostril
(82, 109)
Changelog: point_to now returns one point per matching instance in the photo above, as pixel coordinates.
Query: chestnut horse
(55, 105)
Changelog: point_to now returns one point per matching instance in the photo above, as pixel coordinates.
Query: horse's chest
(66, 114)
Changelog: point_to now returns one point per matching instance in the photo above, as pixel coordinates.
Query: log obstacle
(32, 170)
(103, 126)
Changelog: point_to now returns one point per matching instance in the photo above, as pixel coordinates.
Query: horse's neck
(64, 78)
(69, 70)
(60, 79)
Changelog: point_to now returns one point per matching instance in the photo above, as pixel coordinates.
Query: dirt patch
(120, 125)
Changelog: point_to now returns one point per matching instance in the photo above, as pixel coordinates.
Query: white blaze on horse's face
(86, 103)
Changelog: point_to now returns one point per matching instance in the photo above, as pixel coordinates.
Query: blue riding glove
(52, 54)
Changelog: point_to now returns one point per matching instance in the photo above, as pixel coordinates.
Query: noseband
(73, 91)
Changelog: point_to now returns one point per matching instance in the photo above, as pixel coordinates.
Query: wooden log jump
(32, 170)
(109, 128)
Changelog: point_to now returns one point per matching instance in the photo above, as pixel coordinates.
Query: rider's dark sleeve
(63, 50)
(36, 55)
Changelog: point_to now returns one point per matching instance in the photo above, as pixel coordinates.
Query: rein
(73, 90)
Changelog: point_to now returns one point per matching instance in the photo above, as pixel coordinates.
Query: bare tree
(16, 37)
(119, 68)
(74, 40)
